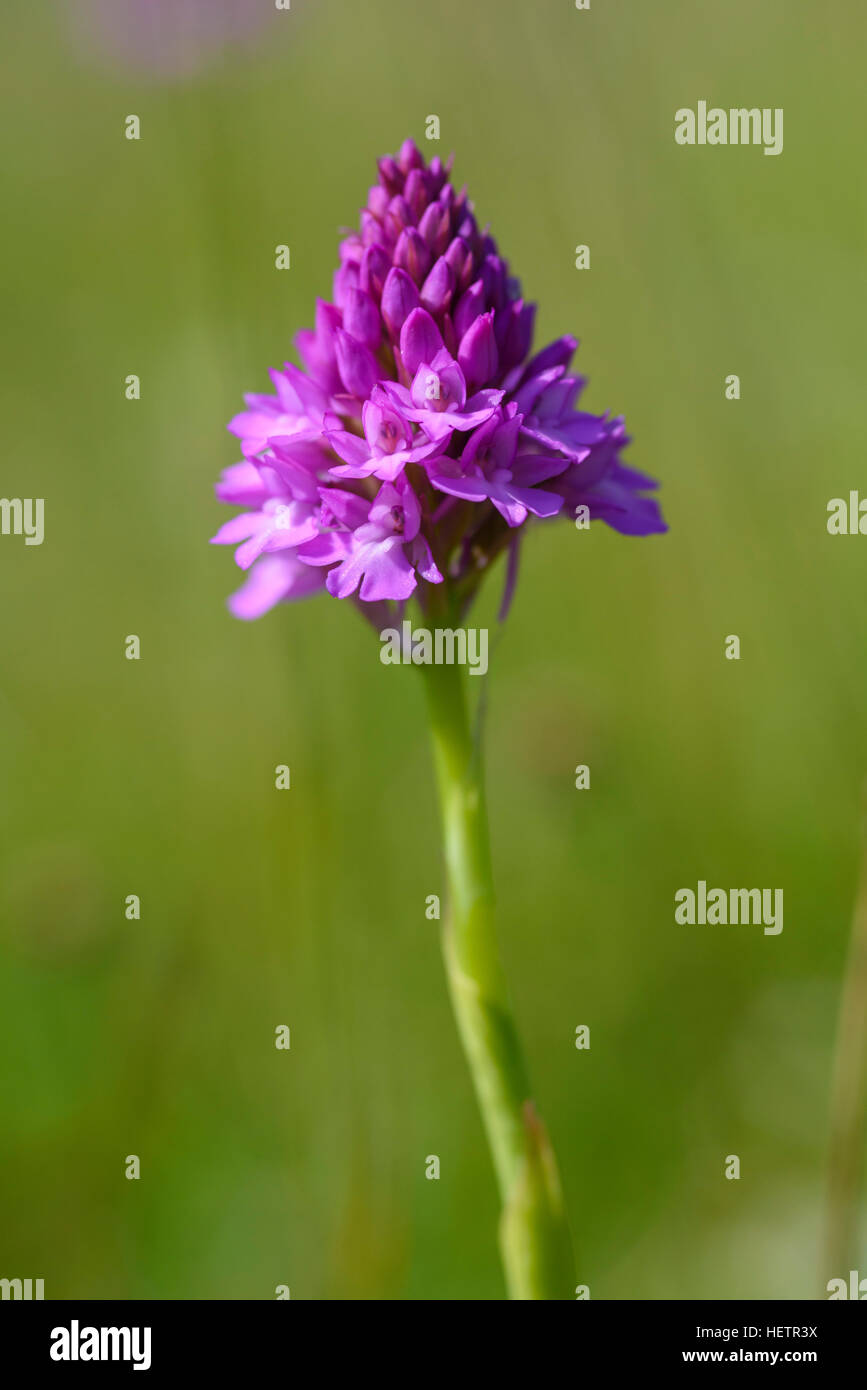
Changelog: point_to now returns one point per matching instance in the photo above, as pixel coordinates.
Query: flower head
(420, 435)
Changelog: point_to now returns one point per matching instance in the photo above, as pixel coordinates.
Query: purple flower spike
(421, 435)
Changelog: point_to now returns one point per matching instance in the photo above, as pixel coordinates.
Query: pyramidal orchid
(419, 439)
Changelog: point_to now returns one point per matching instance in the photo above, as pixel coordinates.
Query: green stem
(849, 1097)
(534, 1236)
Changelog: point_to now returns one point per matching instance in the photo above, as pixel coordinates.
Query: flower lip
(439, 388)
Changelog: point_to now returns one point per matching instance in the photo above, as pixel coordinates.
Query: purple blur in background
(167, 38)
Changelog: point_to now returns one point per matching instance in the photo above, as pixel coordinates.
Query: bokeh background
(156, 777)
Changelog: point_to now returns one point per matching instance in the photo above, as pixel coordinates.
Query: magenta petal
(239, 528)
(241, 485)
(348, 509)
(436, 292)
(527, 395)
(326, 549)
(477, 354)
(535, 500)
(468, 307)
(346, 577)
(574, 435)
(631, 477)
(412, 254)
(420, 340)
(424, 561)
(622, 509)
(460, 260)
(473, 489)
(361, 319)
(345, 279)
(305, 454)
(434, 227)
(519, 335)
(272, 580)
(530, 469)
(354, 451)
(399, 298)
(556, 354)
(375, 266)
(357, 365)
(514, 513)
(275, 534)
(478, 408)
(388, 572)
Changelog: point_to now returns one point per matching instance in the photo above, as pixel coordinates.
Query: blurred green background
(306, 908)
